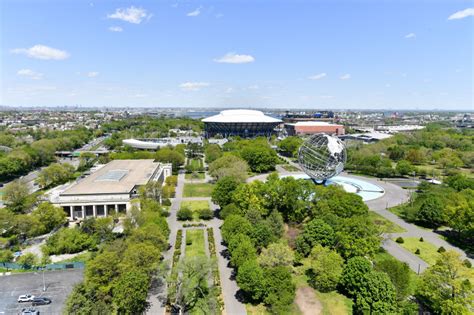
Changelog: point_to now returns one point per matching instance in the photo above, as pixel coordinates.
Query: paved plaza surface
(59, 285)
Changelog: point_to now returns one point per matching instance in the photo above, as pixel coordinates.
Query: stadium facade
(240, 122)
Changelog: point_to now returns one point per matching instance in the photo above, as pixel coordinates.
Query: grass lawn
(198, 190)
(191, 176)
(428, 251)
(334, 303)
(290, 168)
(195, 163)
(196, 248)
(385, 225)
(195, 206)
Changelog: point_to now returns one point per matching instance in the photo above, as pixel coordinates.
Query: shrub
(441, 250)
(206, 214)
(189, 241)
(184, 214)
(400, 240)
(417, 251)
(467, 263)
(27, 260)
(166, 202)
(69, 241)
(421, 239)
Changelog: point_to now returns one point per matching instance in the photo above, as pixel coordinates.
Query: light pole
(44, 283)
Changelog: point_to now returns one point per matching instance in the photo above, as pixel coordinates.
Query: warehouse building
(240, 122)
(109, 189)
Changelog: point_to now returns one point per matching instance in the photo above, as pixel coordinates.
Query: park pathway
(232, 306)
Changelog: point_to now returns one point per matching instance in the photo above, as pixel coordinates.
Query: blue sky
(283, 54)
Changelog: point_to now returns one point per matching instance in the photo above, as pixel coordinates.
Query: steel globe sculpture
(322, 156)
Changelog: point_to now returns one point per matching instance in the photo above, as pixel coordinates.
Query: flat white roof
(241, 115)
(116, 177)
(313, 123)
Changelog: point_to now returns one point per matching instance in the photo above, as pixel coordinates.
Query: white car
(26, 298)
(29, 311)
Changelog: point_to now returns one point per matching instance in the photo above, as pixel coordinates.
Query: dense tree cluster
(334, 228)
(28, 156)
(256, 152)
(118, 277)
(55, 174)
(290, 145)
(403, 153)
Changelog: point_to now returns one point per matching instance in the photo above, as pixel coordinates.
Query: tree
(27, 260)
(6, 255)
(404, 167)
(235, 224)
(275, 223)
(276, 254)
(250, 278)
(399, 273)
(315, 232)
(375, 295)
(334, 199)
(325, 268)
(168, 155)
(290, 145)
(130, 292)
(184, 214)
(83, 301)
(358, 236)
(55, 174)
(222, 193)
(212, 152)
(49, 216)
(460, 182)
(260, 158)
(353, 273)
(244, 251)
(69, 241)
(16, 196)
(228, 210)
(445, 287)
(152, 190)
(280, 289)
(86, 160)
(431, 212)
(229, 165)
(102, 270)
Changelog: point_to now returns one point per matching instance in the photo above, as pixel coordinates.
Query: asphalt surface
(59, 285)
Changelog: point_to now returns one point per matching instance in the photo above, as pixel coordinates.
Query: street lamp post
(44, 283)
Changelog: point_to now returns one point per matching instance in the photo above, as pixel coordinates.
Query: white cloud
(195, 12)
(462, 14)
(132, 15)
(229, 90)
(30, 74)
(326, 97)
(410, 35)
(346, 76)
(92, 74)
(193, 86)
(235, 58)
(254, 87)
(115, 29)
(42, 52)
(317, 76)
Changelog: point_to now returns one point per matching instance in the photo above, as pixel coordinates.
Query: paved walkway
(232, 306)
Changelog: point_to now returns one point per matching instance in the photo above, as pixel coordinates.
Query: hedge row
(174, 267)
(215, 270)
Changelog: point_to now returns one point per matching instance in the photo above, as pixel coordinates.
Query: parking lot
(58, 286)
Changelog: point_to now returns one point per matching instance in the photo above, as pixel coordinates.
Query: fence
(59, 266)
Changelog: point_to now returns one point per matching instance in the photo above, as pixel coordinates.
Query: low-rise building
(110, 188)
(313, 127)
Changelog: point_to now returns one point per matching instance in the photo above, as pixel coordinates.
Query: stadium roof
(241, 116)
(118, 176)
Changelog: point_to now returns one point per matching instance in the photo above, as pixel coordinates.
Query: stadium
(240, 122)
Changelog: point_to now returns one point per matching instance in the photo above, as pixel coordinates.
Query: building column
(71, 212)
(116, 208)
(94, 209)
(105, 210)
(83, 210)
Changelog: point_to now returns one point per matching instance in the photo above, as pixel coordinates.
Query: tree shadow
(456, 239)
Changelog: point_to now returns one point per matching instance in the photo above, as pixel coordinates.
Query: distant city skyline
(399, 55)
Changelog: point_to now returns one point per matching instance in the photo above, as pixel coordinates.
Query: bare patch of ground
(307, 301)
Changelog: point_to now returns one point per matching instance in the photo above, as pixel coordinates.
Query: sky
(331, 54)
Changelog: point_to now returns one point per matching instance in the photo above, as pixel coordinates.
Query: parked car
(29, 311)
(25, 298)
(41, 301)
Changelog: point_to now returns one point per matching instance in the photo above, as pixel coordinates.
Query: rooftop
(241, 115)
(313, 123)
(118, 176)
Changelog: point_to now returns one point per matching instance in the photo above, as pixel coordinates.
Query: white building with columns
(109, 189)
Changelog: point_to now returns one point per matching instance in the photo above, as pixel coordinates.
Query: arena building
(109, 189)
(240, 122)
(313, 127)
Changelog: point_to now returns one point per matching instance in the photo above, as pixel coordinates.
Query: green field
(195, 206)
(334, 303)
(195, 163)
(191, 176)
(195, 243)
(385, 225)
(428, 251)
(197, 190)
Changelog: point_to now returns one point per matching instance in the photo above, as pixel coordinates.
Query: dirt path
(307, 301)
